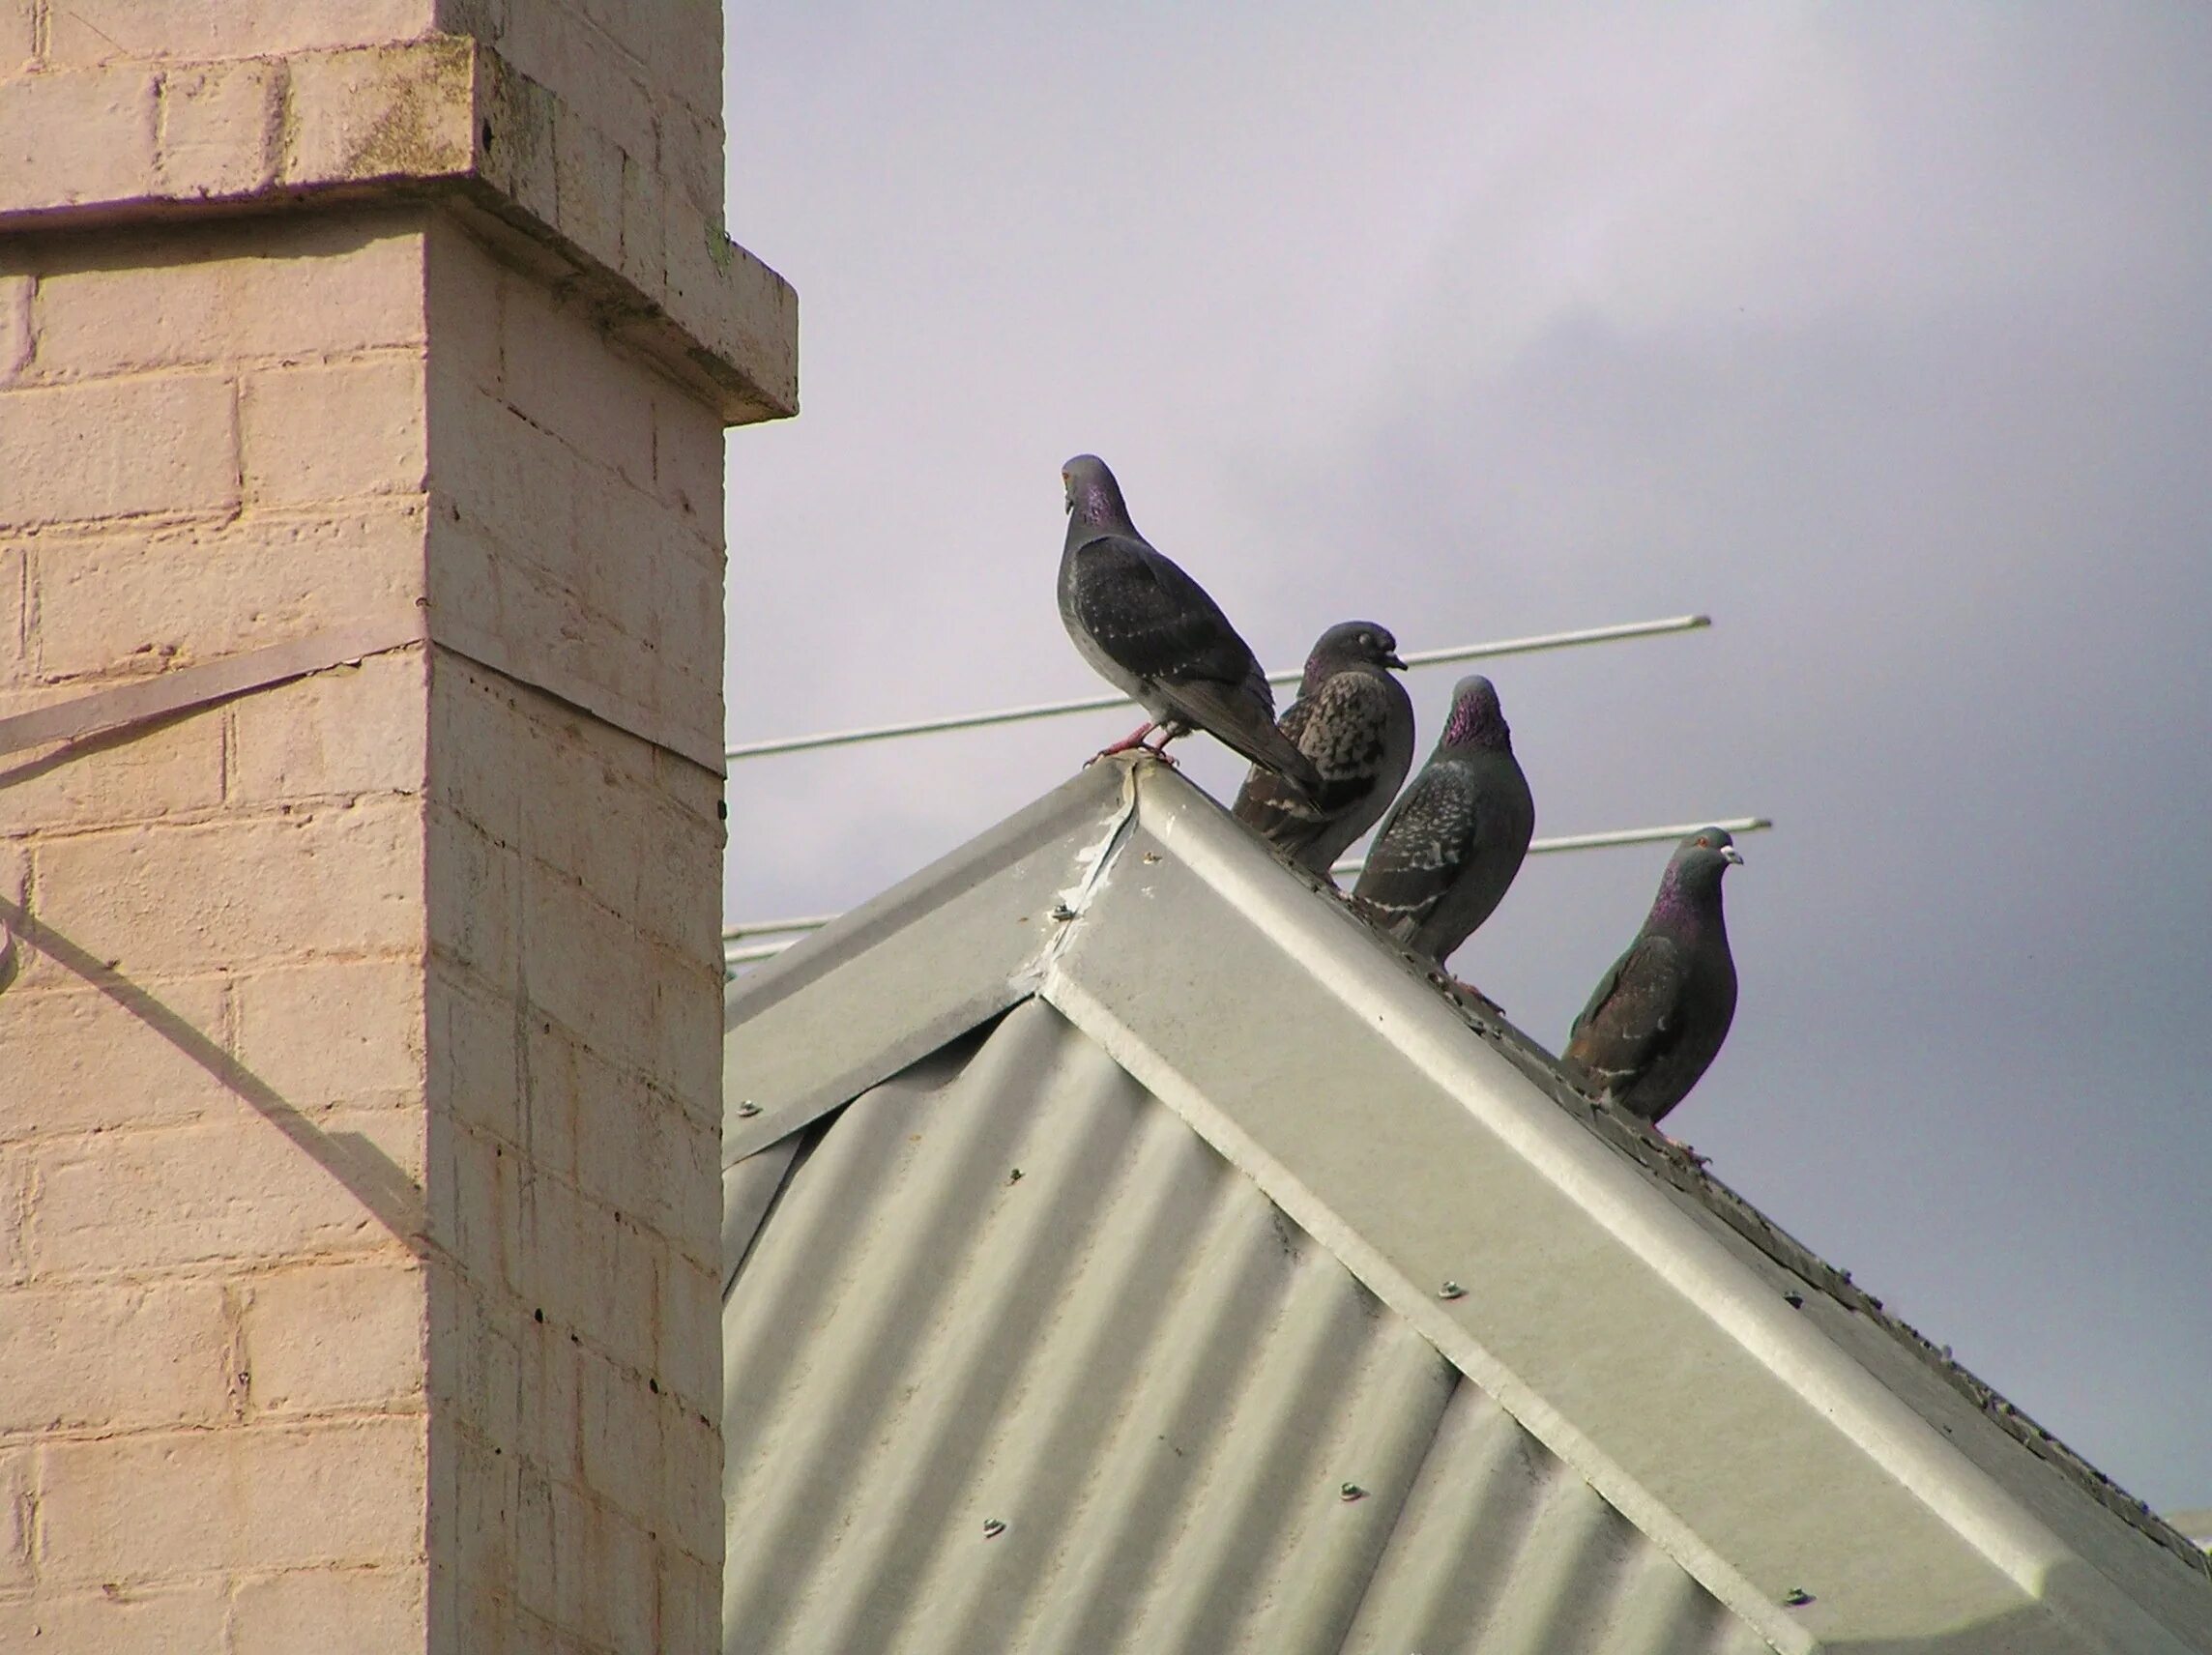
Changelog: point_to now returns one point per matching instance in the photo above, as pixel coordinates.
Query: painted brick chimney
(363, 368)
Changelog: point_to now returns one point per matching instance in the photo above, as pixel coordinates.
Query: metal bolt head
(1451, 1290)
(1798, 1598)
(748, 1110)
(1351, 1492)
(1062, 913)
(1793, 1299)
(993, 1528)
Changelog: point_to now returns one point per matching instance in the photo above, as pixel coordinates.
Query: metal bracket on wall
(187, 687)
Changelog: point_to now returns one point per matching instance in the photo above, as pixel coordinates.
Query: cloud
(1877, 333)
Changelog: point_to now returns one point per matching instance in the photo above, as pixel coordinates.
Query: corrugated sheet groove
(1175, 1422)
(1071, 1387)
(1384, 1424)
(1017, 1264)
(1111, 1402)
(1266, 1478)
(1569, 1563)
(886, 1297)
(1477, 1491)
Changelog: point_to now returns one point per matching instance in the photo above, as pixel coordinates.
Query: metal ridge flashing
(1325, 1063)
(1207, 836)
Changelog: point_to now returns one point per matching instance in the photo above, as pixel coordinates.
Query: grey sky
(1883, 334)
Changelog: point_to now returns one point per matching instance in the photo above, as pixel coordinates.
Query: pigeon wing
(1419, 852)
(1634, 1018)
(1152, 619)
(1278, 811)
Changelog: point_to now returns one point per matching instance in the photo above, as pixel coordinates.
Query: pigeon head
(1477, 718)
(1093, 496)
(1350, 641)
(1700, 861)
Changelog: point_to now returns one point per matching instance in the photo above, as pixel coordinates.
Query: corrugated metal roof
(1115, 1402)
(1091, 1201)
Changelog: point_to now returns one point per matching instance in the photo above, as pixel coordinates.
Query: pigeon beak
(1391, 660)
(1731, 856)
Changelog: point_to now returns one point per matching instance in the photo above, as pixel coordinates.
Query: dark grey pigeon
(1153, 634)
(1355, 722)
(1659, 1016)
(1454, 840)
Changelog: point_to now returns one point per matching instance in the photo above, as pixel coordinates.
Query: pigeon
(1153, 633)
(1454, 840)
(1355, 722)
(1660, 1014)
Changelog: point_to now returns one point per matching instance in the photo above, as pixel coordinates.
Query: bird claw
(1464, 990)
(1138, 741)
(1134, 739)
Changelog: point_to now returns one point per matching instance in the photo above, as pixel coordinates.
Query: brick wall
(213, 1405)
(358, 1184)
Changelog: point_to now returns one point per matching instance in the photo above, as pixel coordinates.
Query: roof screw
(748, 1110)
(993, 1528)
(1351, 1492)
(1793, 1299)
(1451, 1290)
(1798, 1598)
(1014, 1176)
(1062, 913)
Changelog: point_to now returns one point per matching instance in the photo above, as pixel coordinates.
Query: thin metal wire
(775, 927)
(1615, 836)
(1099, 703)
(1537, 847)
(758, 951)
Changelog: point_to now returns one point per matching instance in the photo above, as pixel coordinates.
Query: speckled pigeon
(1454, 840)
(1659, 1016)
(1153, 633)
(1355, 722)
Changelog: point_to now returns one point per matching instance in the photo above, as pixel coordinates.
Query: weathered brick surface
(111, 1620)
(331, 1338)
(328, 431)
(174, 768)
(18, 35)
(233, 292)
(336, 1032)
(256, 1498)
(239, 1189)
(123, 596)
(16, 291)
(221, 127)
(133, 1354)
(86, 136)
(100, 31)
(86, 1060)
(371, 1022)
(156, 900)
(18, 1515)
(335, 735)
(118, 447)
(331, 1611)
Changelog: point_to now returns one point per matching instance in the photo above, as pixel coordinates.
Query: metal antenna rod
(1099, 703)
(1615, 836)
(1537, 847)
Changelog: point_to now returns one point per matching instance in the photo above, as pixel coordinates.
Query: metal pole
(1099, 703)
(1537, 847)
(1615, 836)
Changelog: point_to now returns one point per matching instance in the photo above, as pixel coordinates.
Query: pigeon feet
(1470, 991)
(1135, 739)
(1136, 742)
